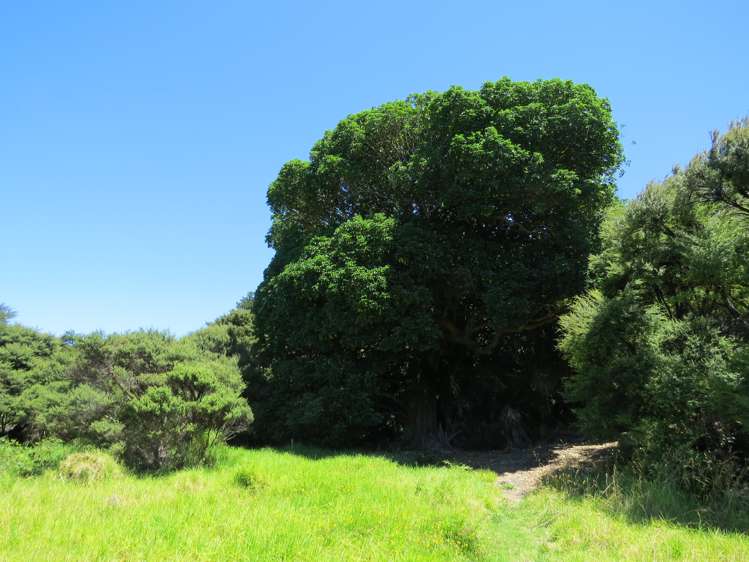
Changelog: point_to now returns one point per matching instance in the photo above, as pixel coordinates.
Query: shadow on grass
(585, 472)
(544, 454)
(499, 461)
(620, 491)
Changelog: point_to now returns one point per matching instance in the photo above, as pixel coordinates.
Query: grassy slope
(345, 507)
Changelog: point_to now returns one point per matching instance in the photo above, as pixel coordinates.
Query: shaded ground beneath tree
(520, 471)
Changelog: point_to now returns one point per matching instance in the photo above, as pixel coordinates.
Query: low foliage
(250, 479)
(88, 467)
(32, 460)
(644, 496)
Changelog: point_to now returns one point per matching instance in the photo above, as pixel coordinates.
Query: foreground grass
(273, 505)
(586, 530)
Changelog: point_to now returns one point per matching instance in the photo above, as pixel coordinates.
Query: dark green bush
(660, 348)
(155, 401)
(177, 419)
(673, 391)
(609, 343)
(164, 403)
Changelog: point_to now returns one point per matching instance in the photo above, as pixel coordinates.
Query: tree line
(154, 401)
(452, 269)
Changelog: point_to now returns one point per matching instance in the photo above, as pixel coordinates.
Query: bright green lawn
(345, 507)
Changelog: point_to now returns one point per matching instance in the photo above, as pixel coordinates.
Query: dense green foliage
(231, 335)
(29, 363)
(660, 347)
(422, 256)
(722, 174)
(158, 402)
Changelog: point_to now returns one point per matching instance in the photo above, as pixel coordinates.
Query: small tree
(181, 415)
(6, 313)
(721, 174)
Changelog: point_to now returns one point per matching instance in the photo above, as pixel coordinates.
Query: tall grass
(654, 495)
(310, 505)
(337, 508)
(585, 529)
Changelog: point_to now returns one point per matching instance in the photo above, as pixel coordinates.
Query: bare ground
(520, 471)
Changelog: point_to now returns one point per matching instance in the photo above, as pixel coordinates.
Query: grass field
(275, 505)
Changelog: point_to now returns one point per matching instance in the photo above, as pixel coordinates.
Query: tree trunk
(422, 427)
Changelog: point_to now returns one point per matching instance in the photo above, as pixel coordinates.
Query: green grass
(274, 505)
(586, 530)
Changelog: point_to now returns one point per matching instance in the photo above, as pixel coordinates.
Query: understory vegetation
(156, 402)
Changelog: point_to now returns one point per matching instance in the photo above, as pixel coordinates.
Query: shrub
(609, 344)
(660, 349)
(32, 460)
(183, 416)
(673, 391)
(29, 360)
(250, 479)
(89, 467)
(158, 402)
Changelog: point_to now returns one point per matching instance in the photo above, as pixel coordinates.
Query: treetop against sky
(138, 140)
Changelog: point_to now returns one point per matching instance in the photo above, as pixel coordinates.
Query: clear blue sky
(137, 139)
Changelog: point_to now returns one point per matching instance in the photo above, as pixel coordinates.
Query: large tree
(422, 254)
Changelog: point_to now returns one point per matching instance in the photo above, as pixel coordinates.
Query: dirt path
(520, 471)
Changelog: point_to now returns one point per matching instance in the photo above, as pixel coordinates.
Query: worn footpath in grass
(275, 505)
